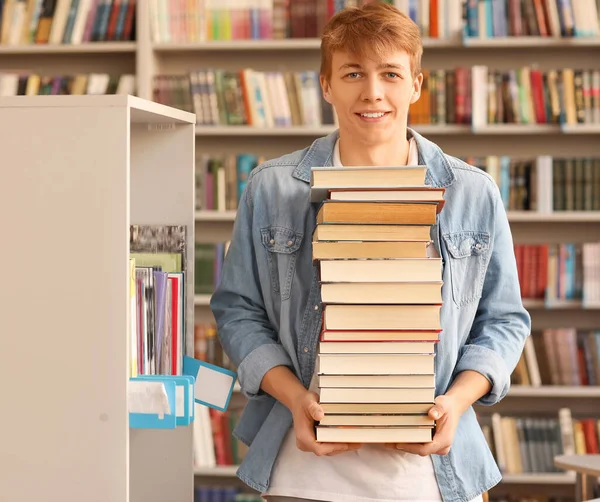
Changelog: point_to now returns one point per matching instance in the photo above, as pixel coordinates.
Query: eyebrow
(384, 66)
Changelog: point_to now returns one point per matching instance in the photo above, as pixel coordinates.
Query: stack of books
(381, 282)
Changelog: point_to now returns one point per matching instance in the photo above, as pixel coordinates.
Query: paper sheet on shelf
(148, 397)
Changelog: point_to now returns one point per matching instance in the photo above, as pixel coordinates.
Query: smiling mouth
(372, 116)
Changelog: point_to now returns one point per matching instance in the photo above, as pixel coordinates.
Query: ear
(416, 88)
(326, 88)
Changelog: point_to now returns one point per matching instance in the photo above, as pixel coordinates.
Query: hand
(446, 412)
(305, 411)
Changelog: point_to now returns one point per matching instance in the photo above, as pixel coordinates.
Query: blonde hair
(375, 28)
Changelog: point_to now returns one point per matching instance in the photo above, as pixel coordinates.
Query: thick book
(415, 434)
(377, 420)
(377, 347)
(375, 408)
(376, 364)
(376, 212)
(377, 381)
(381, 270)
(323, 179)
(423, 194)
(388, 317)
(385, 395)
(356, 250)
(379, 335)
(343, 232)
(381, 293)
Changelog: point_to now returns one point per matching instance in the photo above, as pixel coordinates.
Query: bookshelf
(102, 163)
(147, 59)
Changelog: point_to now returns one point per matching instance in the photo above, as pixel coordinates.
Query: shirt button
(316, 307)
(305, 349)
(289, 243)
(272, 241)
(478, 245)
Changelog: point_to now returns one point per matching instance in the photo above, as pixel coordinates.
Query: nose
(372, 90)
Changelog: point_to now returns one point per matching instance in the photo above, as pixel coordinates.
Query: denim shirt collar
(320, 153)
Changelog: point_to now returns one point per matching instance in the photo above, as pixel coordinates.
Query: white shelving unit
(78, 171)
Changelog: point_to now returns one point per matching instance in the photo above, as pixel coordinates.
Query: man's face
(372, 98)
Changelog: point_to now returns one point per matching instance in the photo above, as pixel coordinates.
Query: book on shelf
(221, 179)
(282, 19)
(565, 271)
(381, 298)
(247, 97)
(560, 356)
(208, 266)
(536, 18)
(26, 83)
(528, 95)
(544, 183)
(158, 261)
(528, 444)
(24, 22)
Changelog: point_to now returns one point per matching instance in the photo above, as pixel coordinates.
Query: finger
(436, 412)
(329, 448)
(444, 451)
(350, 447)
(315, 410)
(414, 448)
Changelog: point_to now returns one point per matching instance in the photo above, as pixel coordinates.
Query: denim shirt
(268, 311)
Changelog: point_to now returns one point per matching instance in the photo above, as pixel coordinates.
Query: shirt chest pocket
(281, 245)
(468, 257)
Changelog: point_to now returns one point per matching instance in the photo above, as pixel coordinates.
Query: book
(343, 232)
(364, 249)
(378, 212)
(381, 293)
(374, 434)
(386, 270)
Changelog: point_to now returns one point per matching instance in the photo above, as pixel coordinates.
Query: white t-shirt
(372, 473)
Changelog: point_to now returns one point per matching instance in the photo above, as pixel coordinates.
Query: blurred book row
(25, 22)
(33, 84)
(522, 444)
(463, 95)
(542, 183)
(247, 97)
(518, 18)
(565, 271)
(281, 19)
(560, 356)
(529, 95)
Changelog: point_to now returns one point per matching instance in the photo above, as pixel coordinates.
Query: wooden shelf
(518, 129)
(554, 217)
(581, 129)
(202, 299)
(86, 48)
(535, 42)
(427, 129)
(550, 478)
(535, 303)
(513, 216)
(274, 45)
(558, 391)
(212, 215)
(222, 471)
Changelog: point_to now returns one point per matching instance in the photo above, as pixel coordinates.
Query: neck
(390, 153)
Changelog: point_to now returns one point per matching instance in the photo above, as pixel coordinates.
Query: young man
(268, 309)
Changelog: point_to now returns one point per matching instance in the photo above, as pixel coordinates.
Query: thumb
(315, 411)
(438, 409)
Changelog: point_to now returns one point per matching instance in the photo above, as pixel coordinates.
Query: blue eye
(354, 74)
(392, 75)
